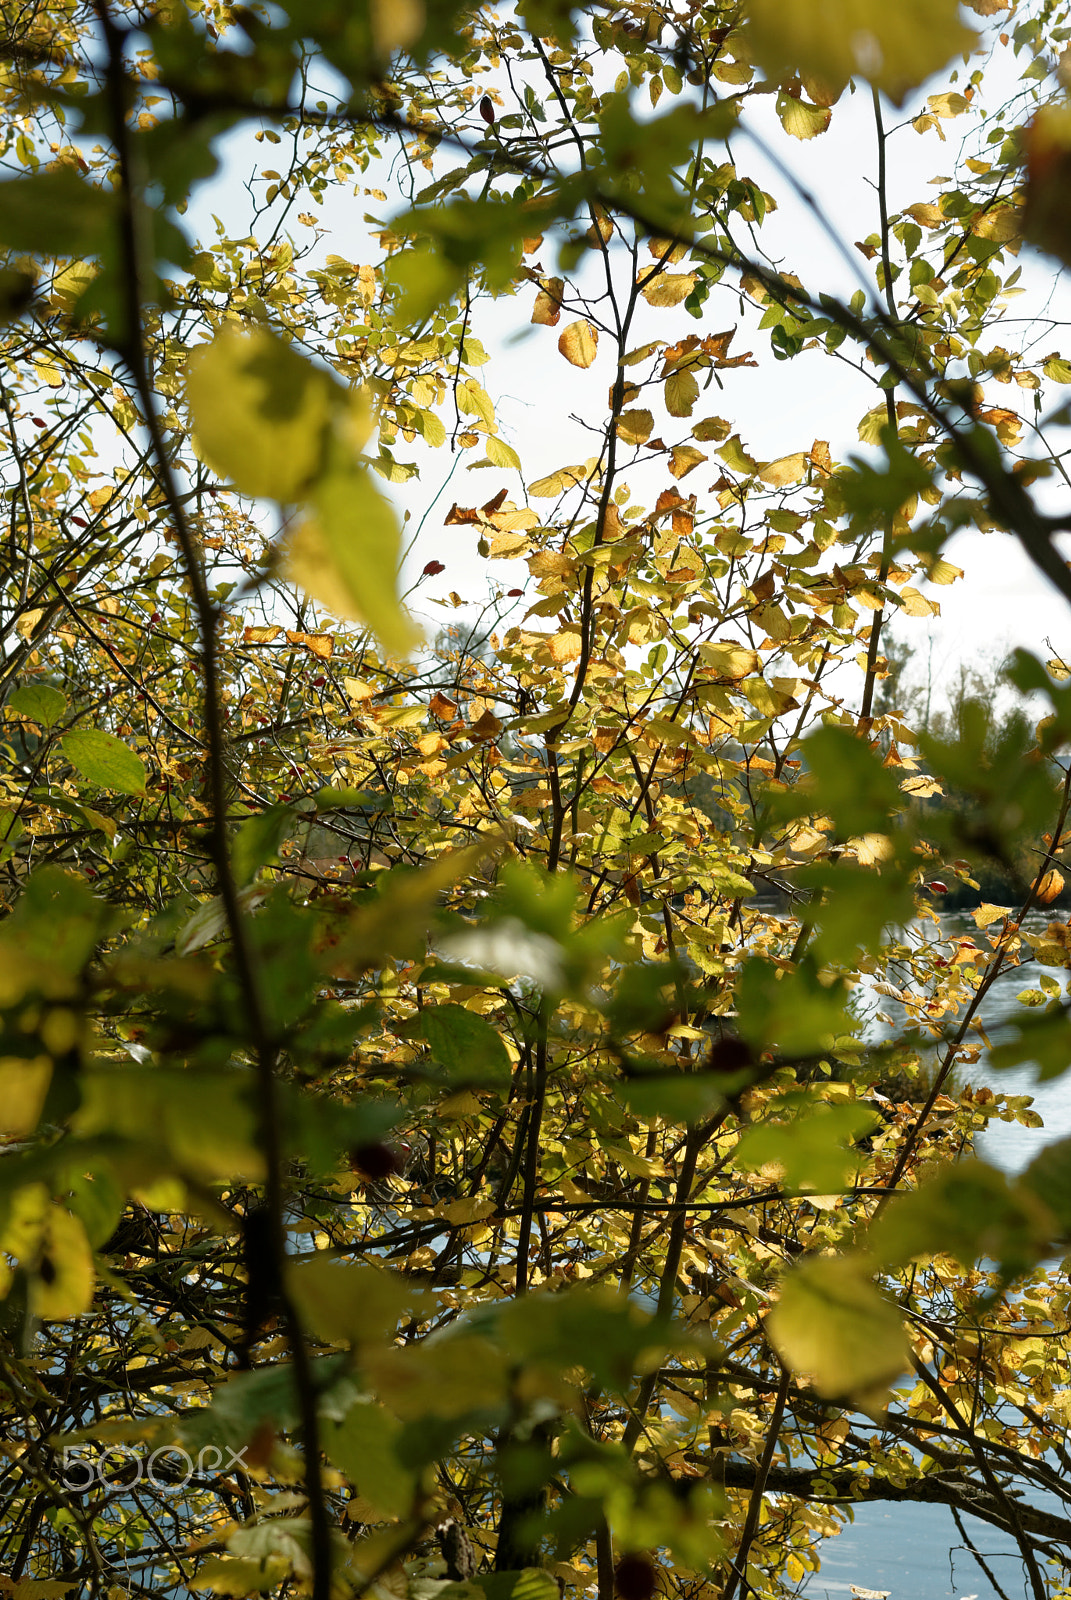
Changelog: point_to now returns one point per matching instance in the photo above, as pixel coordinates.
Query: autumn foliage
(499, 1103)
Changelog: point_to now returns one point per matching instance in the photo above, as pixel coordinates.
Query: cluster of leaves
(436, 1080)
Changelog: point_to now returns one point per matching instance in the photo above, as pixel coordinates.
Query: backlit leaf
(635, 427)
(668, 288)
(346, 554)
(814, 1149)
(833, 1328)
(682, 392)
(895, 47)
(684, 458)
(579, 343)
(548, 302)
(801, 120)
(260, 412)
(61, 1283)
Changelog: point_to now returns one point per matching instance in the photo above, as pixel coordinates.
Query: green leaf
(239, 1575)
(352, 1304)
(674, 1096)
(11, 827)
(257, 841)
(588, 1327)
(895, 47)
(869, 492)
(40, 702)
(848, 783)
(346, 555)
(364, 1445)
(53, 930)
(794, 1011)
(203, 1123)
(814, 1149)
(260, 412)
(467, 1045)
(969, 1211)
(331, 799)
(1049, 1178)
(528, 1583)
(832, 1327)
(1044, 1042)
(104, 760)
(242, 1403)
(55, 214)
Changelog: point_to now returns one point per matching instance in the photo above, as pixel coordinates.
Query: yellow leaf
(894, 46)
(23, 1085)
(506, 545)
(941, 571)
(801, 120)
(240, 1575)
(61, 1282)
(715, 428)
(684, 458)
(360, 691)
(833, 1327)
(949, 104)
(730, 660)
(317, 644)
(474, 401)
(578, 343)
(555, 482)
(345, 554)
(344, 1303)
(736, 457)
(548, 302)
(668, 288)
(565, 645)
(785, 470)
(260, 412)
(870, 849)
(999, 223)
(767, 698)
(501, 454)
(635, 427)
(986, 914)
(471, 1209)
(1050, 885)
(68, 286)
(773, 619)
(396, 24)
(39, 1588)
(927, 216)
(916, 604)
(682, 392)
(921, 787)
